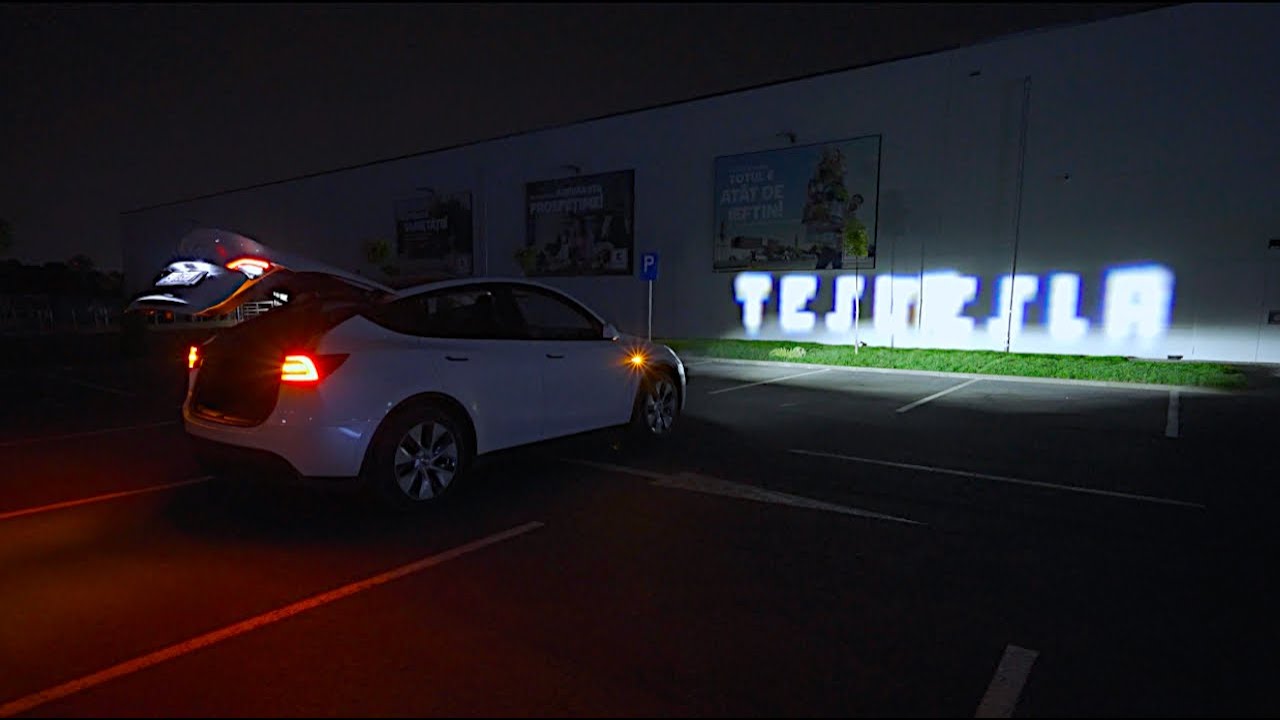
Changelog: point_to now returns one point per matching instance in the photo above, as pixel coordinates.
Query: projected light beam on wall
(1136, 304)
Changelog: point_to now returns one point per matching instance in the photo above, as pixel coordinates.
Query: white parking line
(1006, 685)
(1171, 422)
(1000, 478)
(11, 514)
(935, 396)
(68, 436)
(727, 488)
(766, 382)
(651, 475)
(23, 704)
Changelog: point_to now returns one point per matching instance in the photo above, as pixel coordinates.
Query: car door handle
(452, 358)
(555, 356)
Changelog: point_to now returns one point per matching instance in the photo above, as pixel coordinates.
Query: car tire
(418, 456)
(657, 406)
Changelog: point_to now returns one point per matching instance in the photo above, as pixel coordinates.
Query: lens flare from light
(251, 267)
(636, 360)
(298, 368)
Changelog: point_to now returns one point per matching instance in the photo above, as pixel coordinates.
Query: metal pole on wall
(1017, 212)
(856, 298)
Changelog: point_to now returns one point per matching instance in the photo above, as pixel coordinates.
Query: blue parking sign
(649, 266)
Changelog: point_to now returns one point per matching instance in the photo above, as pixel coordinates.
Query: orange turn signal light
(193, 358)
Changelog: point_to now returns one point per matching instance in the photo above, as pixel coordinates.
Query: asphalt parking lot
(811, 543)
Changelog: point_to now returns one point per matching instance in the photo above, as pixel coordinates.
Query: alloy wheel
(660, 406)
(426, 460)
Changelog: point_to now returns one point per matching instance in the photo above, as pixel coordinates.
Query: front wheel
(657, 405)
(419, 455)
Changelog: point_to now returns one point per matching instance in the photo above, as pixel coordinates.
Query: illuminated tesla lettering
(795, 293)
(1012, 296)
(1064, 302)
(897, 300)
(751, 289)
(943, 307)
(947, 293)
(848, 291)
(1138, 302)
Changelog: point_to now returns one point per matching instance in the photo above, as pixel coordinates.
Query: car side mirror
(610, 332)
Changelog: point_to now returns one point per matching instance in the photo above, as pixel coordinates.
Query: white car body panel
(496, 381)
(586, 384)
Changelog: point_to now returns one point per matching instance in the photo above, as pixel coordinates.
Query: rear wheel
(419, 454)
(657, 405)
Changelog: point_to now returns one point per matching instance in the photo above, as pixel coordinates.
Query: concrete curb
(703, 359)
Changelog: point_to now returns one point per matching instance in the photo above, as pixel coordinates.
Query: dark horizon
(123, 122)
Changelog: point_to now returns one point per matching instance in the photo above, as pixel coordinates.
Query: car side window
(547, 316)
(463, 312)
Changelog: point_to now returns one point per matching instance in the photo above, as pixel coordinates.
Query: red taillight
(193, 358)
(299, 368)
(308, 368)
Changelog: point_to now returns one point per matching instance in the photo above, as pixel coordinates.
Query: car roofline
(484, 279)
(476, 279)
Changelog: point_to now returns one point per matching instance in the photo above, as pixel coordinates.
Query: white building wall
(1149, 143)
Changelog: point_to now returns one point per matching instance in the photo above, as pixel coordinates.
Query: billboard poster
(811, 207)
(434, 235)
(582, 225)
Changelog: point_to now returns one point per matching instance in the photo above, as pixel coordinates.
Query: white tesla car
(399, 389)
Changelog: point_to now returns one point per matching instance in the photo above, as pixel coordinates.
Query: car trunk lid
(213, 272)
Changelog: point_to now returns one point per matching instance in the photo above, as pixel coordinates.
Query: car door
(463, 346)
(586, 379)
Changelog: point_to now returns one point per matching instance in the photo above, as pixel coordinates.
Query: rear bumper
(297, 435)
(226, 460)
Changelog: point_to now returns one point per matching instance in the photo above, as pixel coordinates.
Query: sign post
(649, 273)
(857, 300)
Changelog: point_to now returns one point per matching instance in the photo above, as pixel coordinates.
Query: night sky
(111, 108)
